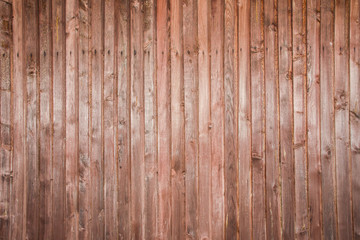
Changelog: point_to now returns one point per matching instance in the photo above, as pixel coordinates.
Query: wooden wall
(181, 119)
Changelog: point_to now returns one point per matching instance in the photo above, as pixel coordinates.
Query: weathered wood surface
(195, 119)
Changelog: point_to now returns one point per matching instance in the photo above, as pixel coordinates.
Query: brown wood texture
(193, 119)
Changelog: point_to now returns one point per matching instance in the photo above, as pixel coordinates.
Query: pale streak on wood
(244, 122)
(217, 123)
(123, 117)
(58, 121)
(258, 119)
(164, 123)
(204, 180)
(150, 185)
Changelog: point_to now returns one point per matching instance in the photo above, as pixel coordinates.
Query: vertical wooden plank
(204, 210)
(273, 202)
(150, 186)
(229, 98)
(137, 119)
(342, 135)
(31, 119)
(191, 90)
(218, 144)
(177, 122)
(72, 136)
(58, 124)
(96, 133)
(123, 117)
(244, 121)
(45, 215)
(313, 118)
(327, 118)
(164, 123)
(110, 166)
(5, 117)
(299, 113)
(84, 114)
(285, 119)
(258, 117)
(355, 112)
(17, 201)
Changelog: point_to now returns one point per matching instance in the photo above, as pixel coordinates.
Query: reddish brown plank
(244, 121)
(137, 119)
(258, 116)
(327, 119)
(5, 118)
(342, 135)
(17, 200)
(45, 215)
(230, 141)
(273, 202)
(355, 113)
(110, 166)
(204, 178)
(72, 143)
(150, 186)
(84, 115)
(217, 123)
(177, 122)
(190, 9)
(31, 119)
(164, 124)
(313, 119)
(299, 113)
(123, 117)
(285, 119)
(58, 121)
(96, 129)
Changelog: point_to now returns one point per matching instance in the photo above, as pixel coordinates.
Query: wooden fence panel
(194, 119)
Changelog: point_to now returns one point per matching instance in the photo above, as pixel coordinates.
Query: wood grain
(313, 119)
(299, 113)
(96, 121)
(5, 118)
(123, 117)
(84, 194)
(355, 113)
(244, 122)
(150, 185)
(164, 118)
(272, 170)
(191, 101)
(342, 135)
(58, 123)
(286, 119)
(204, 179)
(327, 119)
(208, 119)
(45, 213)
(109, 113)
(258, 119)
(217, 119)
